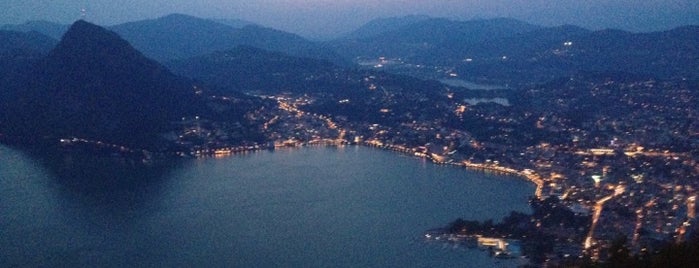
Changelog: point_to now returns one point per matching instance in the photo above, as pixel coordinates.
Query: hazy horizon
(325, 18)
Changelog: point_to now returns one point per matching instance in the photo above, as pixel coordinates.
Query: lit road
(599, 205)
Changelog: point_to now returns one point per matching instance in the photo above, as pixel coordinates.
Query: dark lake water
(310, 207)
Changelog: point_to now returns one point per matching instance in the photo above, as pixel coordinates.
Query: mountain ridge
(178, 36)
(382, 25)
(494, 52)
(49, 28)
(425, 38)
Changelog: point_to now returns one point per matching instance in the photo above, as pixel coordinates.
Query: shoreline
(222, 152)
(526, 174)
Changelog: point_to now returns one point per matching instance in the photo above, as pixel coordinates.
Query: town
(628, 167)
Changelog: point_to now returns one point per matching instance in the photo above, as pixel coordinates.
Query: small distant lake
(475, 101)
(309, 207)
(470, 85)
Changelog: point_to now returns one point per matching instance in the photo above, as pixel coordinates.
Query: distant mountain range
(379, 26)
(510, 51)
(424, 38)
(94, 84)
(501, 51)
(52, 29)
(548, 53)
(178, 36)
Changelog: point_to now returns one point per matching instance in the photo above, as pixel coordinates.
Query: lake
(310, 207)
(470, 85)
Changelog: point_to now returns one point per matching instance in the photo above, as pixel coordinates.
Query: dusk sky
(332, 17)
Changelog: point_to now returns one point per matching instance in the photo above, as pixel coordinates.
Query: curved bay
(310, 207)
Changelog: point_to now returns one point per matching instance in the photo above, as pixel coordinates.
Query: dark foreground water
(312, 207)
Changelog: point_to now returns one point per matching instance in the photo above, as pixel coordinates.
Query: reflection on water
(106, 181)
(72, 209)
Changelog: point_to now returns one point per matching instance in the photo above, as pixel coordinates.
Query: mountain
(383, 25)
(180, 36)
(429, 39)
(95, 85)
(52, 29)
